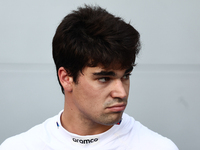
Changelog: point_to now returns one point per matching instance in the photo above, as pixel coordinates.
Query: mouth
(117, 108)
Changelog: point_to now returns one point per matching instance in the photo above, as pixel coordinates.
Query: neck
(79, 125)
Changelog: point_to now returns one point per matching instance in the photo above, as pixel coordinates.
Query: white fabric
(50, 135)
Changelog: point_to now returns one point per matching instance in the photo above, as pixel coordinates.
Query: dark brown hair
(91, 36)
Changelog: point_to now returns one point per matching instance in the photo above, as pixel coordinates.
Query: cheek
(127, 87)
(88, 92)
(89, 99)
(89, 89)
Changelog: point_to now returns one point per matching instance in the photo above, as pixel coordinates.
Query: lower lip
(117, 108)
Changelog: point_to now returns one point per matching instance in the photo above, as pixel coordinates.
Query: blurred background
(164, 94)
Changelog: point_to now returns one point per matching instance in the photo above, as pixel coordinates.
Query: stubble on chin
(111, 118)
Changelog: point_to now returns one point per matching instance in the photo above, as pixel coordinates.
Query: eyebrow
(129, 70)
(105, 73)
(111, 73)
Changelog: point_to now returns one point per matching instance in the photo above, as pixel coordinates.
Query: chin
(113, 119)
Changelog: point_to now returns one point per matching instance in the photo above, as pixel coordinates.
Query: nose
(119, 90)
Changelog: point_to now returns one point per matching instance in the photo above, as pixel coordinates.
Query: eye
(126, 77)
(104, 79)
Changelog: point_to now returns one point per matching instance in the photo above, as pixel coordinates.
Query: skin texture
(96, 102)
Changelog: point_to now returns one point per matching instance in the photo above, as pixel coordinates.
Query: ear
(65, 79)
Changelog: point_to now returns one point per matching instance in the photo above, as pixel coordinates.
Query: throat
(82, 127)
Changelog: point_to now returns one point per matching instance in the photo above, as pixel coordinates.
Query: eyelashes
(107, 79)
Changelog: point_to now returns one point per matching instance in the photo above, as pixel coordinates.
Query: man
(94, 53)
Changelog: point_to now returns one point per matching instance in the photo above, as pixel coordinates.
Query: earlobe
(65, 79)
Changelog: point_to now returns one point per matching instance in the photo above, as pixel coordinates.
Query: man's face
(100, 96)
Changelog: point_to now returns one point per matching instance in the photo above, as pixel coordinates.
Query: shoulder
(154, 141)
(24, 140)
(143, 138)
(13, 143)
(31, 139)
